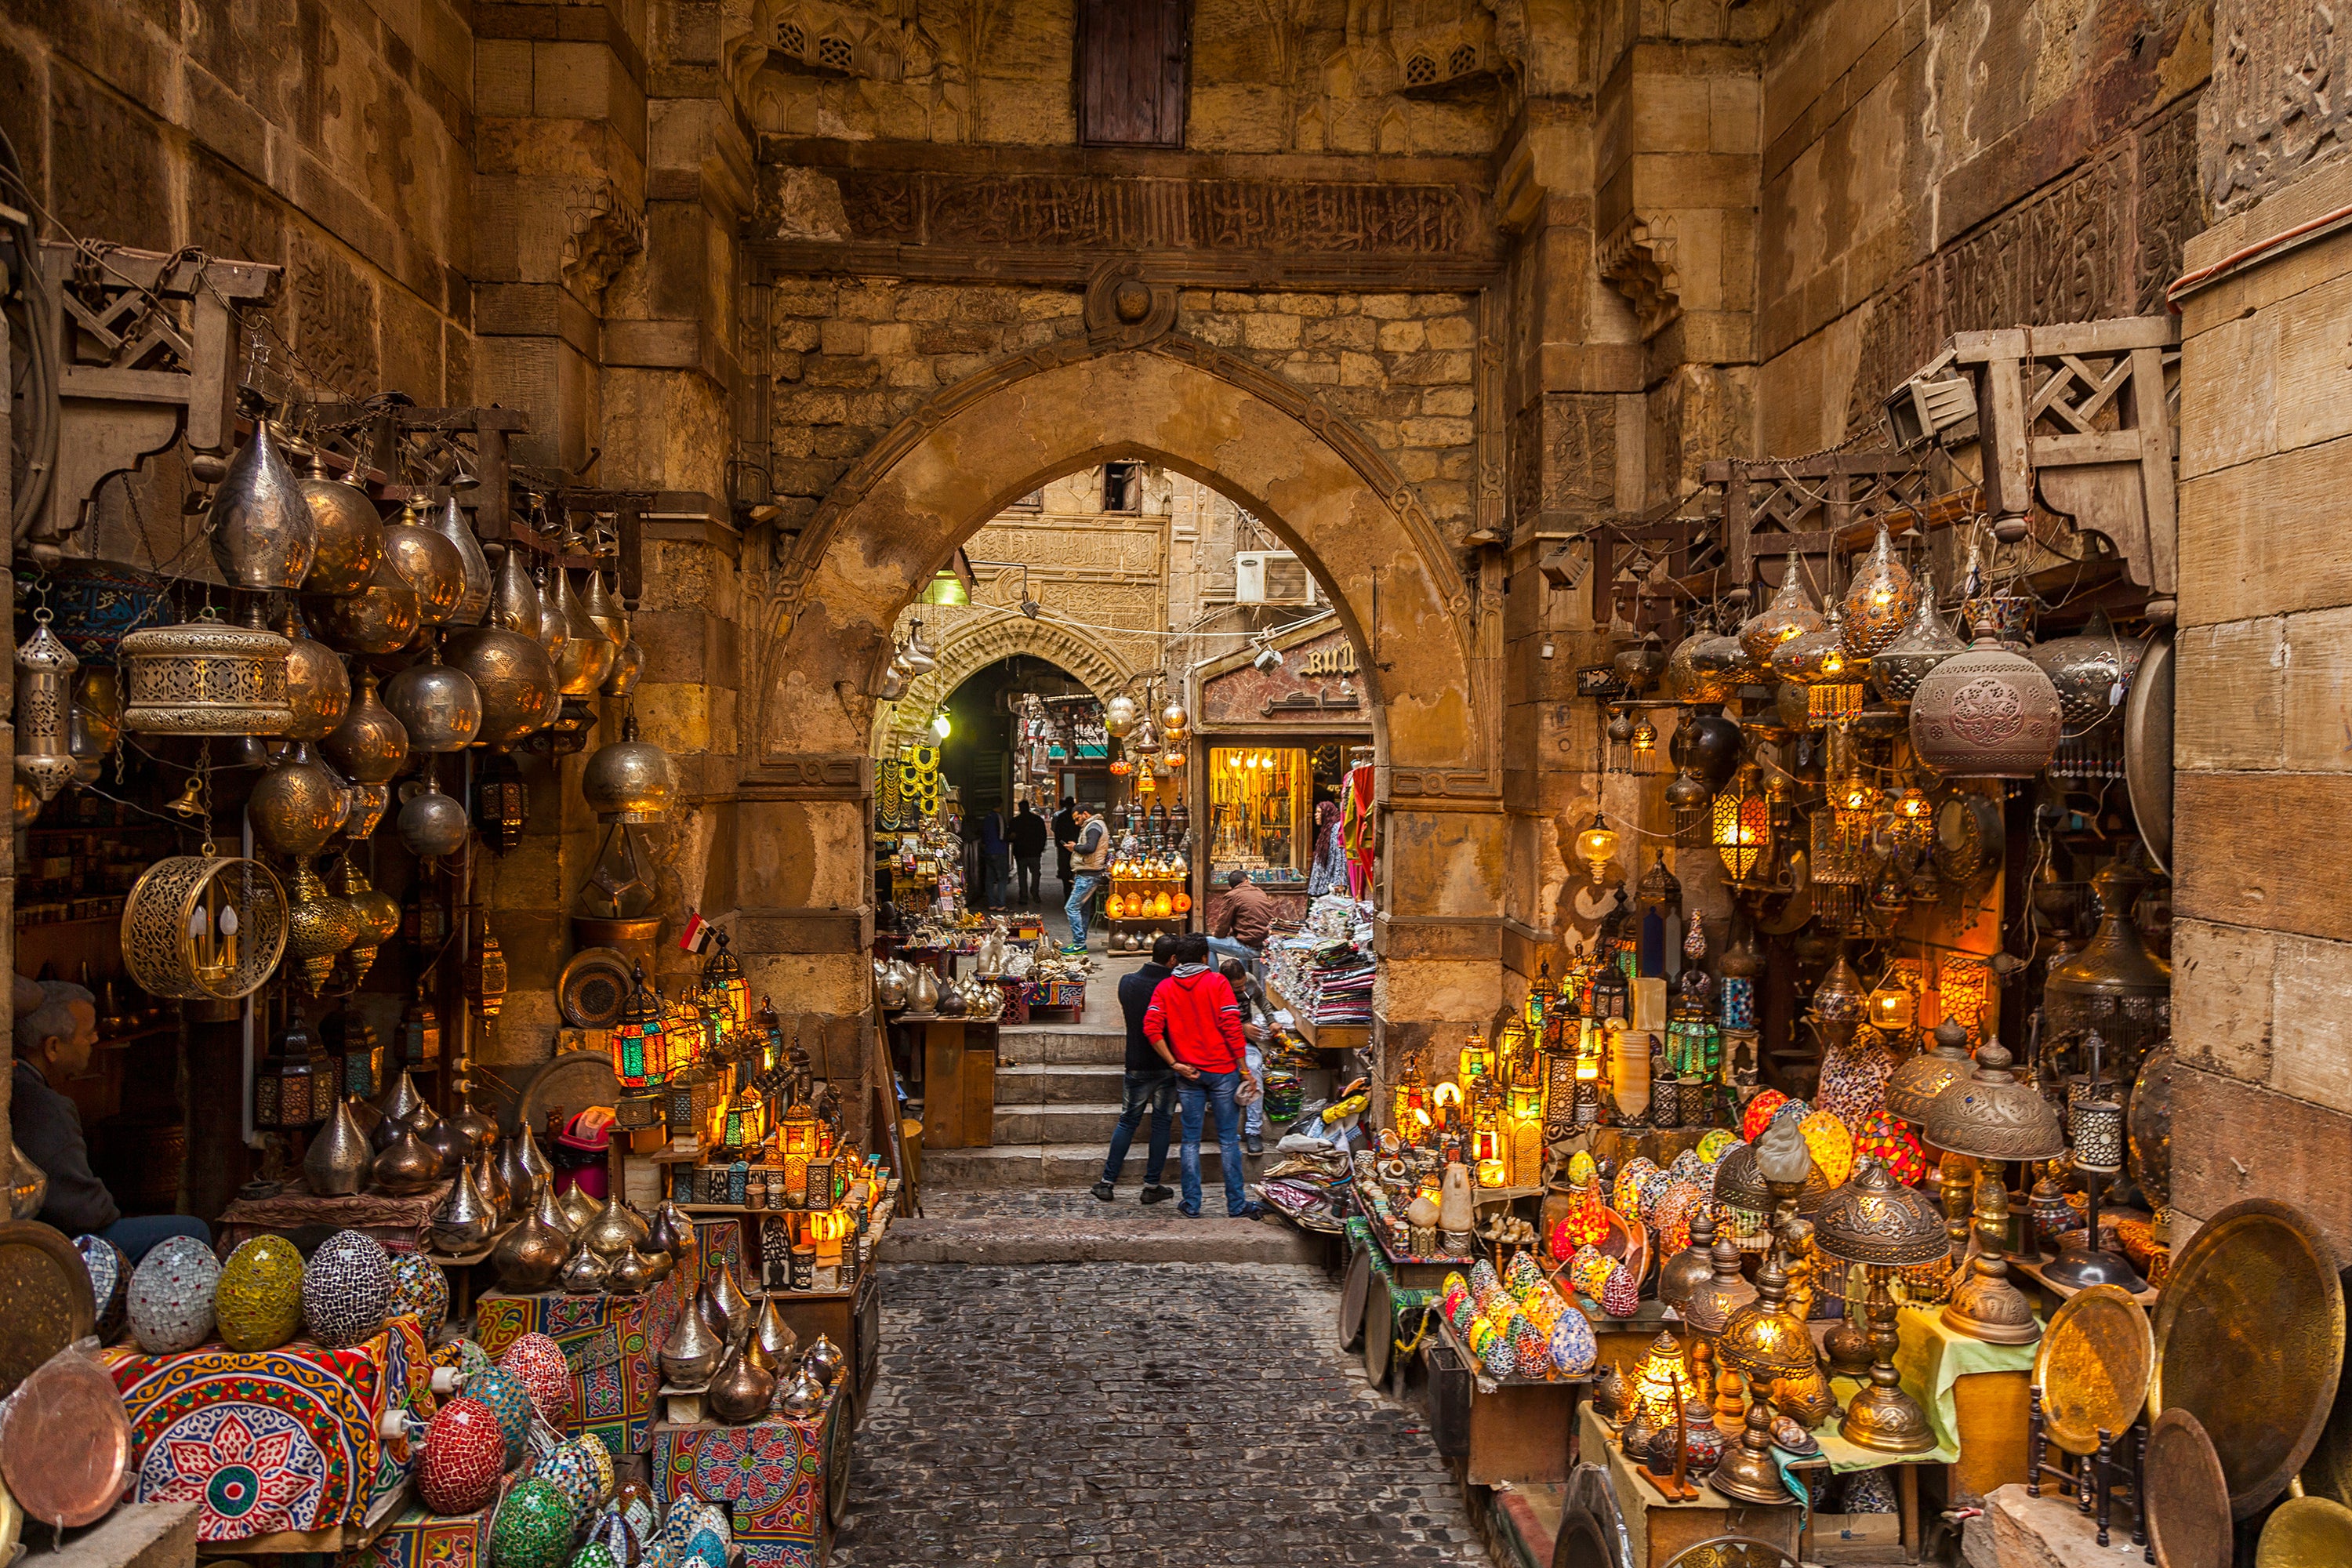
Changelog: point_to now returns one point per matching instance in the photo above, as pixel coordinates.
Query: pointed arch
(976, 644)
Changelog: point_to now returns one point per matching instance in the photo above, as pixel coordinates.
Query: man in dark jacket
(1065, 834)
(995, 851)
(1028, 849)
(1195, 1024)
(1244, 919)
(53, 1045)
(1148, 1084)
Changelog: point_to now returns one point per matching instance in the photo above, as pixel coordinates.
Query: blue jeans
(1254, 1113)
(1083, 888)
(1226, 947)
(1212, 1088)
(1140, 1092)
(994, 871)
(136, 1235)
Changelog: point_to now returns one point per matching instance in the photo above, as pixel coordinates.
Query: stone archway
(1431, 663)
(974, 646)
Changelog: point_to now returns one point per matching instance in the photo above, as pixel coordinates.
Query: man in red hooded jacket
(1194, 1022)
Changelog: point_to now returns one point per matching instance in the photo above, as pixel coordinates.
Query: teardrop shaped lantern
(448, 521)
(261, 531)
(317, 686)
(350, 533)
(1879, 600)
(1924, 643)
(1790, 614)
(587, 654)
(371, 744)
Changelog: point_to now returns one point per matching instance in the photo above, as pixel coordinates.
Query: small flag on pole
(698, 935)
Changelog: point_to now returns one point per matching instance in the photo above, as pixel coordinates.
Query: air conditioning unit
(1271, 577)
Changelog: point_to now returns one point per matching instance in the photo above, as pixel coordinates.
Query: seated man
(53, 1045)
(1244, 919)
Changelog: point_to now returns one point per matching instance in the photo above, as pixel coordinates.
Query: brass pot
(464, 1219)
(629, 781)
(206, 678)
(515, 677)
(584, 1272)
(691, 1352)
(262, 533)
(427, 563)
(296, 807)
(474, 597)
(371, 743)
(381, 619)
(586, 656)
(350, 532)
(431, 824)
(438, 705)
(528, 1256)
(319, 925)
(407, 1166)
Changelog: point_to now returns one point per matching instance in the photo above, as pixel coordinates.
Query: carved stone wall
(2279, 101)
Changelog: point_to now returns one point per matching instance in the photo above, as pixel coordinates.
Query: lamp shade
(1875, 1219)
(1921, 1079)
(1989, 1115)
(945, 588)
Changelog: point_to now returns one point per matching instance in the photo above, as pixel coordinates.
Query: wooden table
(1659, 1527)
(1518, 1431)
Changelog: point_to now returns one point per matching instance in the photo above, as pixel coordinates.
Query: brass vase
(407, 1166)
(529, 1257)
(262, 533)
(370, 745)
(741, 1392)
(337, 1162)
(350, 532)
(691, 1353)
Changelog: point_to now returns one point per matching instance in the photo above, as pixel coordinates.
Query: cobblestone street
(1141, 1415)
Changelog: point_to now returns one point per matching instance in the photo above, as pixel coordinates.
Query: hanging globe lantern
(1790, 614)
(1878, 601)
(1987, 713)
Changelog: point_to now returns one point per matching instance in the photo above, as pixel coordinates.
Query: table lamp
(2095, 1118)
(1875, 1221)
(1989, 1115)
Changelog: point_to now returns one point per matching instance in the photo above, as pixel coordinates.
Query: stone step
(1061, 1083)
(1047, 1123)
(1074, 1165)
(1119, 1235)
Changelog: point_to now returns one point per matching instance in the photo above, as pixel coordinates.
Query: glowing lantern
(827, 1228)
(797, 1132)
(1831, 1145)
(1893, 1145)
(1476, 1062)
(722, 983)
(640, 1052)
(1760, 1112)
(1742, 826)
(1597, 845)
(1585, 1224)
(1891, 1007)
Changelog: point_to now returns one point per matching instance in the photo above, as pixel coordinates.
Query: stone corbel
(1124, 310)
(1638, 261)
(604, 233)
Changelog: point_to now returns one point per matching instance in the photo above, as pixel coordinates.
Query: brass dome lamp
(1766, 1344)
(1877, 1221)
(1923, 1076)
(1989, 1115)
(2114, 985)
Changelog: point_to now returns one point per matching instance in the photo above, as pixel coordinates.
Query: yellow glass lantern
(1597, 846)
(1477, 1060)
(797, 1129)
(1410, 1103)
(1891, 1009)
(1659, 1381)
(1743, 824)
(828, 1229)
(640, 1044)
(1490, 1147)
(723, 985)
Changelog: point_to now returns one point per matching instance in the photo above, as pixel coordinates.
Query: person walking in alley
(1150, 1084)
(1195, 1024)
(1065, 833)
(995, 852)
(1090, 854)
(1028, 849)
(1243, 920)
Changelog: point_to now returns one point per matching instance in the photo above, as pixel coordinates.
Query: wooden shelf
(1322, 1037)
(152, 1031)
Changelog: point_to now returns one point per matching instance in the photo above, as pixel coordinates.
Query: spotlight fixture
(941, 723)
(1269, 658)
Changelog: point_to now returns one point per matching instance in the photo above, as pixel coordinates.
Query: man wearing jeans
(995, 857)
(1195, 1024)
(1148, 1085)
(1244, 919)
(1089, 854)
(1253, 1030)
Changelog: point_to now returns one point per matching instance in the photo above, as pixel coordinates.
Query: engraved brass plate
(2187, 1498)
(2249, 1340)
(47, 1288)
(2307, 1533)
(2093, 1367)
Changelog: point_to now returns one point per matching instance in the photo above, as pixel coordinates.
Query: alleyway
(1146, 1416)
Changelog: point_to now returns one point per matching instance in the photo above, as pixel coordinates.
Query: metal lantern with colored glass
(640, 1052)
(722, 977)
(1743, 824)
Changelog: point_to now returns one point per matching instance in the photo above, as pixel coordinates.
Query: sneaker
(1157, 1195)
(1188, 1213)
(1104, 1191)
(1249, 1211)
(1254, 1143)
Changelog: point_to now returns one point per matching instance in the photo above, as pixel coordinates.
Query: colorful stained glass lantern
(798, 1129)
(1743, 824)
(640, 1054)
(722, 981)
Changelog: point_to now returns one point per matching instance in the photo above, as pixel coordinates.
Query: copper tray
(2188, 1498)
(47, 1287)
(2094, 1366)
(2307, 1533)
(571, 1083)
(2147, 751)
(2249, 1340)
(65, 1446)
(594, 987)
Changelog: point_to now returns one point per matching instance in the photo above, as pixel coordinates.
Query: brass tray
(2094, 1366)
(2307, 1533)
(2147, 751)
(47, 1287)
(571, 1083)
(2188, 1500)
(2328, 1472)
(2249, 1340)
(594, 987)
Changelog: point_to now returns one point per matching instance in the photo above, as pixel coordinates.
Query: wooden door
(1132, 72)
